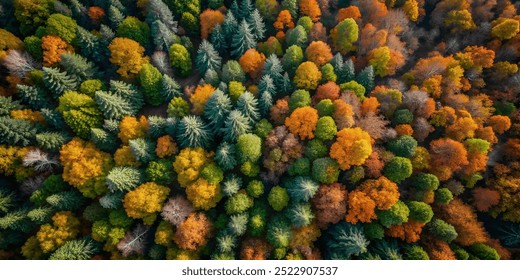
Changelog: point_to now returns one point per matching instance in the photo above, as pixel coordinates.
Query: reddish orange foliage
(302, 122)
(374, 165)
(360, 208)
(500, 124)
(310, 8)
(208, 19)
(329, 90)
(409, 231)
(193, 232)
(330, 204)
(382, 191)
(252, 62)
(404, 129)
(348, 12)
(200, 96)
(370, 104)
(254, 249)
(486, 133)
(343, 114)
(284, 20)
(53, 47)
(477, 162)
(464, 220)
(512, 149)
(438, 250)
(318, 52)
(447, 156)
(352, 147)
(96, 14)
(279, 111)
(485, 198)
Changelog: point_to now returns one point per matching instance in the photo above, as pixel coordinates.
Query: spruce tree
(58, 82)
(266, 84)
(68, 200)
(265, 102)
(242, 40)
(83, 249)
(272, 66)
(16, 132)
(112, 200)
(207, 58)
(78, 67)
(156, 126)
(216, 110)
(7, 104)
(235, 125)
(103, 139)
(51, 141)
(89, 45)
(257, 24)
(163, 37)
(366, 78)
(218, 39)
(246, 7)
(123, 178)
(225, 156)
(193, 132)
(128, 92)
(113, 106)
(115, 16)
(247, 104)
(211, 77)
(53, 118)
(158, 10)
(34, 96)
(41, 215)
(292, 6)
(142, 149)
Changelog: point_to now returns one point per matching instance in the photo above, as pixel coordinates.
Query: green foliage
(345, 240)
(247, 104)
(279, 232)
(53, 184)
(35, 97)
(420, 211)
(396, 215)
(235, 125)
(178, 108)
(366, 78)
(180, 59)
(62, 26)
(83, 249)
(68, 200)
(16, 132)
(103, 140)
(207, 58)
(296, 36)
(301, 189)
(212, 173)
(80, 112)
(249, 147)
(41, 215)
(128, 92)
(58, 82)
(193, 132)
(442, 230)
(358, 89)
(7, 104)
(325, 170)
(292, 58)
(257, 221)
(232, 71)
(242, 40)
(169, 88)
(425, 182)
(238, 203)
(316, 149)
(299, 98)
(238, 224)
(278, 198)
(415, 252)
(374, 230)
(255, 188)
(33, 45)
(403, 146)
(133, 28)
(225, 156)
(151, 82)
(262, 128)
(113, 106)
(78, 67)
(326, 128)
(475, 145)
(190, 23)
(398, 169)
(300, 214)
(300, 167)
(142, 149)
(443, 196)
(123, 178)
(484, 252)
(89, 87)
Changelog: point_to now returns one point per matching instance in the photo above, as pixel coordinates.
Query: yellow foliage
(64, 227)
(164, 234)
(203, 195)
(200, 96)
(411, 9)
(10, 158)
(304, 236)
(302, 122)
(124, 157)
(462, 128)
(188, 164)
(352, 147)
(8, 42)
(145, 201)
(307, 76)
(128, 55)
(132, 128)
(27, 114)
(85, 167)
(421, 159)
(31, 249)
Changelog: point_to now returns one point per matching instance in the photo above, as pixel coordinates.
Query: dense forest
(294, 129)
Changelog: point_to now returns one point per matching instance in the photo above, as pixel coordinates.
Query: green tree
(296, 36)
(441, 230)
(193, 132)
(344, 35)
(243, 40)
(124, 178)
(58, 82)
(325, 170)
(232, 71)
(113, 106)
(80, 112)
(403, 146)
(62, 26)
(151, 82)
(398, 169)
(345, 240)
(207, 58)
(78, 66)
(180, 60)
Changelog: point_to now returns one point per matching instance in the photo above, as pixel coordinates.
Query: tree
(318, 52)
(113, 106)
(193, 132)
(344, 35)
(257, 24)
(180, 60)
(80, 112)
(398, 169)
(485, 198)
(325, 170)
(311, 9)
(302, 122)
(252, 62)
(199, 98)
(58, 82)
(267, 8)
(128, 55)
(203, 195)
(505, 28)
(232, 71)
(296, 36)
(447, 156)
(278, 198)
(132, 128)
(442, 230)
(235, 125)
(207, 58)
(208, 20)
(344, 241)
(242, 40)
(62, 26)
(352, 147)
(189, 163)
(404, 146)
(78, 66)
(292, 58)
(145, 201)
(307, 76)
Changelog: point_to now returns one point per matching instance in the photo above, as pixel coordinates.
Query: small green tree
(180, 60)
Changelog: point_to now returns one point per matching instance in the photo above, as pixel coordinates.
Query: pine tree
(111, 126)
(207, 58)
(112, 200)
(77, 66)
(218, 39)
(53, 118)
(16, 220)
(266, 84)
(247, 104)
(193, 132)
(163, 37)
(211, 77)
(113, 106)
(89, 45)
(225, 157)
(242, 40)
(158, 10)
(77, 12)
(345, 240)
(41, 215)
(68, 200)
(103, 139)
(216, 110)
(34, 96)
(366, 78)
(285, 86)
(161, 60)
(257, 24)
(246, 7)
(58, 82)
(156, 126)
(235, 125)
(115, 16)
(348, 72)
(16, 132)
(123, 178)
(128, 92)
(272, 66)
(235, 12)
(292, 6)
(142, 149)
(7, 105)
(265, 103)
(83, 249)
(51, 141)
(7, 199)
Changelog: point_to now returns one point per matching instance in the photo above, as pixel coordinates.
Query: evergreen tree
(247, 104)
(246, 7)
(51, 141)
(292, 6)
(156, 126)
(58, 82)
(211, 77)
(232, 71)
(16, 132)
(235, 125)
(216, 110)
(225, 157)
(366, 78)
(115, 16)
(113, 106)
(163, 37)
(207, 58)
(77, 66)
(193, 132)
(128, 92)
(159, 11)
(218, 39)
(257, 24)
(89, 45)
(348, 72)
(112, 200)
(242, 40)
(123, 178)
(234, 9)
(103, 139)
(16, 220)
(41, 215)
(142, 149)
(300, 214)
(296, 36)
(265, 103)
(34, 96)
(301, 189)
(266, 84)
(68, 200)
(345, 240)
(273, 67)
(111, 126)
(53, 118)
(7, 104)
(83, 249)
